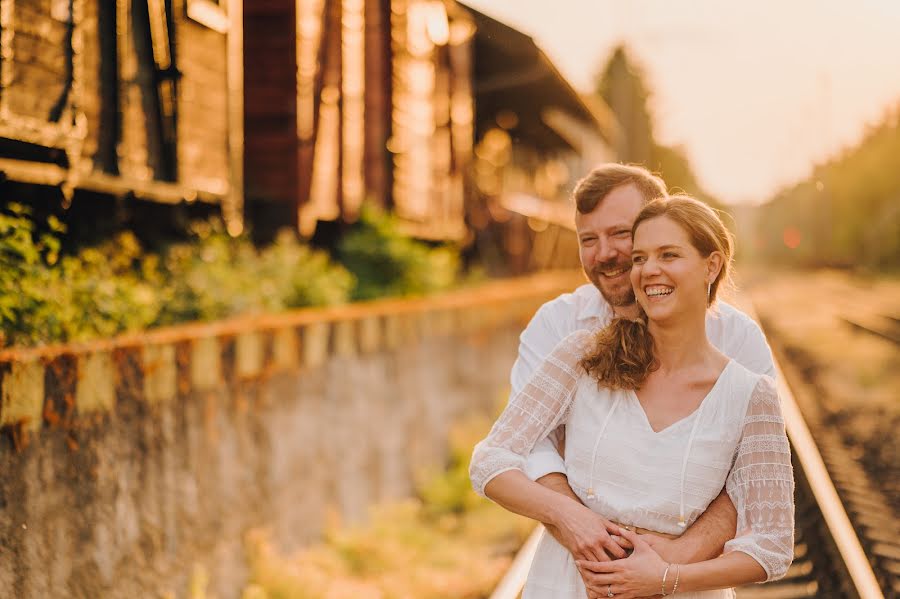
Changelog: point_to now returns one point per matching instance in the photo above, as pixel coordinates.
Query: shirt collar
(591, 304)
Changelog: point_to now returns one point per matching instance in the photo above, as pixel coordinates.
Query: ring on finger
(609, 592)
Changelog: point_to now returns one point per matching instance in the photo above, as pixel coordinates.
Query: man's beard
(621, 295)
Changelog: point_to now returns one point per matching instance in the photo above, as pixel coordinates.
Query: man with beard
(607, 202)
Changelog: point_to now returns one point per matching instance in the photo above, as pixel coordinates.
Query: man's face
(604, 238)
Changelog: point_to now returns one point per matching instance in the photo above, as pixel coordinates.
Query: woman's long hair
(624, 355)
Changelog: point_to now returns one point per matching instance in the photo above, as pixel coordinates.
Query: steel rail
(826, 495)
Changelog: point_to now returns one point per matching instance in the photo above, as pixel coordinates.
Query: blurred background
(212, 210)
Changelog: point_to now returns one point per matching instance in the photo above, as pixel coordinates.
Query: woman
(657, 422)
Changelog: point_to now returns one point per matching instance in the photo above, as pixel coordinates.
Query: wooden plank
(514, 580)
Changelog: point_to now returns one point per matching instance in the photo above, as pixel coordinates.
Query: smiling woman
(657, 420)
(681, 252)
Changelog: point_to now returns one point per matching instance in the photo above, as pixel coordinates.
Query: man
(607, 202)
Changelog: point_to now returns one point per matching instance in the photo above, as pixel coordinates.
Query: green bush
(117, 287)
(217, 276)
(46, 297)
(388, 263)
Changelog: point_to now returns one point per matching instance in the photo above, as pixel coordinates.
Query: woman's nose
(650, 267)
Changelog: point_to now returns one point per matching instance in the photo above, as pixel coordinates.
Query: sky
(755, 92)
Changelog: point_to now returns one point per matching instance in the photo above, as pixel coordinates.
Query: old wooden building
(295, 112)
(536, 136)
(353, 100)
(124, 98)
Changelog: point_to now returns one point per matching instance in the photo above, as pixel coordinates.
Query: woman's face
(668, 273)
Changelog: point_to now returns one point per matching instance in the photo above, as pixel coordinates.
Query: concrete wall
(123, 463)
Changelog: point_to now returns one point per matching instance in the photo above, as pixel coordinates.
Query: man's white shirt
(734, 334)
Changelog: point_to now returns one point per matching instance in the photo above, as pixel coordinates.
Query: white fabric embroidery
(739, 443)
(537, 409)
(761, 485)
(734, 333)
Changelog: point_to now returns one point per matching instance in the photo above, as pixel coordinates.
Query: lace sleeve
(532, 413)
(761, 485)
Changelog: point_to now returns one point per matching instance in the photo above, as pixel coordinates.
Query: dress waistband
(645, 531)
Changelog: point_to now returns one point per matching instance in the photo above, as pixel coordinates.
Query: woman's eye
(637, 259)
(670, 255)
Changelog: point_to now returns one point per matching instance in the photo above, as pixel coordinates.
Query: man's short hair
(591, 190)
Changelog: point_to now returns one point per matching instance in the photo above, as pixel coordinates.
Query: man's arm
(705, 538)
(535, 344)
(545, 464)
(557, 481)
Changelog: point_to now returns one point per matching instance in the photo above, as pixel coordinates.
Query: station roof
(512, 73)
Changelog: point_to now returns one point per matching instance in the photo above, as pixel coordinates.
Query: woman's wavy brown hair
(624, 354)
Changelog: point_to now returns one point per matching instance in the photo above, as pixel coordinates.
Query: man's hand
(638, 576)
(586, 533)
(558, 482)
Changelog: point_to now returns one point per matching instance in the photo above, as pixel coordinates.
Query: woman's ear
(714, 263)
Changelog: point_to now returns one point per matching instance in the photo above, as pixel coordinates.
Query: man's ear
(714, 263)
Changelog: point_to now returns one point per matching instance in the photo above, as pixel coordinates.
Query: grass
(447, 543)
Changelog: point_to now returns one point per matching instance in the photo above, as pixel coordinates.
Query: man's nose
(607, 251)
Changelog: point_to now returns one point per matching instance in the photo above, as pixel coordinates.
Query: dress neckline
(633, 395)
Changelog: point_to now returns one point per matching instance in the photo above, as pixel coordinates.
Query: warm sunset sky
(756, 91)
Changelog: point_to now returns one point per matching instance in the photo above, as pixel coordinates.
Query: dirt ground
(856, 373)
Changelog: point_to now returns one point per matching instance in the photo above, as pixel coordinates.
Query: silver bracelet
(677, 576)
(666, 573)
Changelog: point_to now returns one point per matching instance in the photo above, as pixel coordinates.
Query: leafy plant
(48, 297)
(114, 287)
(387, 263)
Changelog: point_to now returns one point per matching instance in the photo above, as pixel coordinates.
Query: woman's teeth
(658, 291)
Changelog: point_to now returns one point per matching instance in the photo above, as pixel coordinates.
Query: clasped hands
(601, 550)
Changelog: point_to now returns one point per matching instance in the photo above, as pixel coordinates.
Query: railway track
(847, 533)
(886, 327)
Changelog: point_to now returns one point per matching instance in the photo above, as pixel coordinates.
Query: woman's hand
(670, 550)
(586, 534)
(639, 575)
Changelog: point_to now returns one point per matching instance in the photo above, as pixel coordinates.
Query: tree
(847, 213)
(622, 87)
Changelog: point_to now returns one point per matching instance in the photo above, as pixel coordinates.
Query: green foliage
(116, 287)
(847, 213)
(217, 276)
(47, 297)
(387, 263)
(450, 492)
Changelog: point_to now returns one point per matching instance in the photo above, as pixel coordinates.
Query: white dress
(652, 480)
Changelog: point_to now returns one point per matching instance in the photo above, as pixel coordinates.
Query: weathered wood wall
(349, 100)
(134, 92)
(39, 70)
